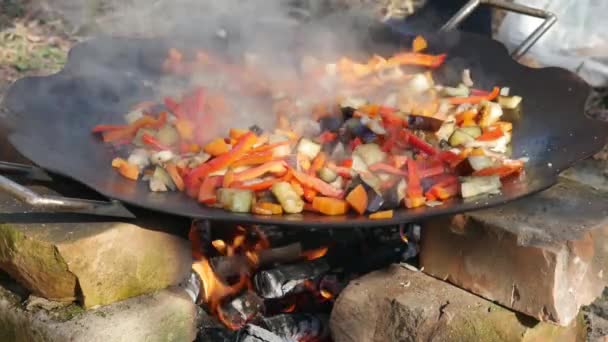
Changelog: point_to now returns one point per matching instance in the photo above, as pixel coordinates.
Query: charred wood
(288, 279)
(241, 310)
(230, 266)
(299, 327)
(254, 333)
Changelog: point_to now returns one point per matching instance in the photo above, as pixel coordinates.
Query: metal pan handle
(525, 46)
(56, 203)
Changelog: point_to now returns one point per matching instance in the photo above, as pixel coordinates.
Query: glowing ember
(403, 234)
(220, 246)
(290, 308)
(326, 294)
(315, 253)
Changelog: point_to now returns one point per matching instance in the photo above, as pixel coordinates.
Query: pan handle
(525, 46)
(56, 203)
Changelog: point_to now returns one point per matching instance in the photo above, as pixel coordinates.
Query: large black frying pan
(51, 117)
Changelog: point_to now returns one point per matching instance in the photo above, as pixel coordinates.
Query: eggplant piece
(347, 112)
(459, 138)
(375, 201)
(473, 131)
(331, 123)
(256, 130)
(424, 123)
(394, 196)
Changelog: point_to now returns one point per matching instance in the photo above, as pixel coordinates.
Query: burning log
(287, 327)
(240, 310)
(288, 279)
(230, 266)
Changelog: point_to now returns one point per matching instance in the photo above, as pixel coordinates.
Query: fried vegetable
(357, 198)
(308, 148)
(327, 175)
(490, 114)
(460, 138)
(168, 135)
(289, 199)
(382, 215)
(330, 206)
(235, 200)
(370, 153)
(509, 102)
(425, 123)
(475, 186)
(216, 147)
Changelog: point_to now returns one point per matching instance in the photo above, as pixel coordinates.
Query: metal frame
(524, 47)
(55, 203)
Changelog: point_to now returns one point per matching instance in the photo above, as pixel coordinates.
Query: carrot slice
(381, 215)
(330, 206)
(236, 133)
(357, 199)
(126, 169)
(267, 208)
(419, 44)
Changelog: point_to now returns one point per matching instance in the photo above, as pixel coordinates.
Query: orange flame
(220, 246)
(326, 294)
(290, 308)
(403, 235)
(315, 253)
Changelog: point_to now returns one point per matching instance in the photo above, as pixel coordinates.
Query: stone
(166, 315)
(545, 256)
(95, 263)
(397, 304)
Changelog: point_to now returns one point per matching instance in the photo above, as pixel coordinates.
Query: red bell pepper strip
(268, 147)
(431, 172)
(480, 92)
(386, 168)
(389, 118)
(409, 58)
(317, 184)
(347, 163)
(340, 170)
(327, 137)
(502, 171)
(153, 142)
(206, 192)
(476, 99)
(258, 186)
(244, 145)
(105, 128)
(494, 134)
(174, 107)
(420, 144)
(414, 197)
(255, 159)
(444, 189)
(275, 167)
(129, 131)
(309, 194)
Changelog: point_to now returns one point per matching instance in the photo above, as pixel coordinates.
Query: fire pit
(270, 284)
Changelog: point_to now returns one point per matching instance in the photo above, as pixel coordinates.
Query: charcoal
(254, 333)
(242, 309)
(235, 265)
(288, 279)
(192, 286)
(299, 327)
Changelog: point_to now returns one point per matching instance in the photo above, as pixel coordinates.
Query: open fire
(265, 283)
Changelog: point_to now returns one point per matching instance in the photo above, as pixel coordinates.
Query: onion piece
(466, 78)
(475, 186)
